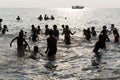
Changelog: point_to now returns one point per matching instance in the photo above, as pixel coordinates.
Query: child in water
(4, 29)
(35, 53)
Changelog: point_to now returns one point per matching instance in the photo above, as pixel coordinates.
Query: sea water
(74, 61)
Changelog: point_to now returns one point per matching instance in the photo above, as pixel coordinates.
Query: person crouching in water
(51, 46)
(67, 33)
(4, 29)
(35, 53)
(20, 44)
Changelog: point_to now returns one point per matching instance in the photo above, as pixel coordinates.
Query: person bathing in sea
(4, 29)
(20, 44)
(67, 33)
(35, 53)
(51, 46)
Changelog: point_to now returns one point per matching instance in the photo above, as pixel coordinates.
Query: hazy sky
(59, 3)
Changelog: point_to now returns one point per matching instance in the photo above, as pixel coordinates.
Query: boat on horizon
(77, 7)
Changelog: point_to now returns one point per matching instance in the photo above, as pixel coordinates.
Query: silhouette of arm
(12, 41)
(27, 44)
(73, 32)
(47, 46)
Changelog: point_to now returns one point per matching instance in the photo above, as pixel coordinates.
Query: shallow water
(74, 61)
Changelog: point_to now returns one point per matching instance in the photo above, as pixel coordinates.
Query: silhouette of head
(20, 34)
(112, 25)
(38, 27)
(46, 26)
(67, 27)
(62, 25)
(1, 20)
(5, 26)
(32, 26)
(36, 48)
(54, 27)
(104, 27)
(93, 28)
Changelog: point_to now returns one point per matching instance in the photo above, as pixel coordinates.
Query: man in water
(51, 46)
(67, 33)
(55, 32)
(20, 44)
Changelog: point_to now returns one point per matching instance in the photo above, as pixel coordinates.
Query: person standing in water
(46, 30)
(67, 33)
(51, 46)
(55, 32)
(20, 44)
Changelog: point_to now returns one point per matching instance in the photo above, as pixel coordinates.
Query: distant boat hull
(77, 7)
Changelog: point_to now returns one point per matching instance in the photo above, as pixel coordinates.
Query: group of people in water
(53, 38)
(103, 37)
(3, 29)
(46, 17)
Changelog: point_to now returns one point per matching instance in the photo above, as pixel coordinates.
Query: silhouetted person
(55, 32)
(51, 46)
(116, 35)
(34, 37)
(100, 44)
(4, 29)
(105, 31)
(88, 34)
(40, 18)
(93, 32)
(18, 18)
(0, 24)
(67, 35)
(46, 30)
(52, 17)
(23, 33)
(112, 27)
(38, 30)
(84, 32)
(35, 53)
(46, 17)
(20, 44)
(63, 29)
(33, 29)
(105, 34)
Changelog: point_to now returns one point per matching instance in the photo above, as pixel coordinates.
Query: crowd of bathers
(53, 38)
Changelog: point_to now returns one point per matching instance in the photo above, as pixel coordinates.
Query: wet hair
(36, 48)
